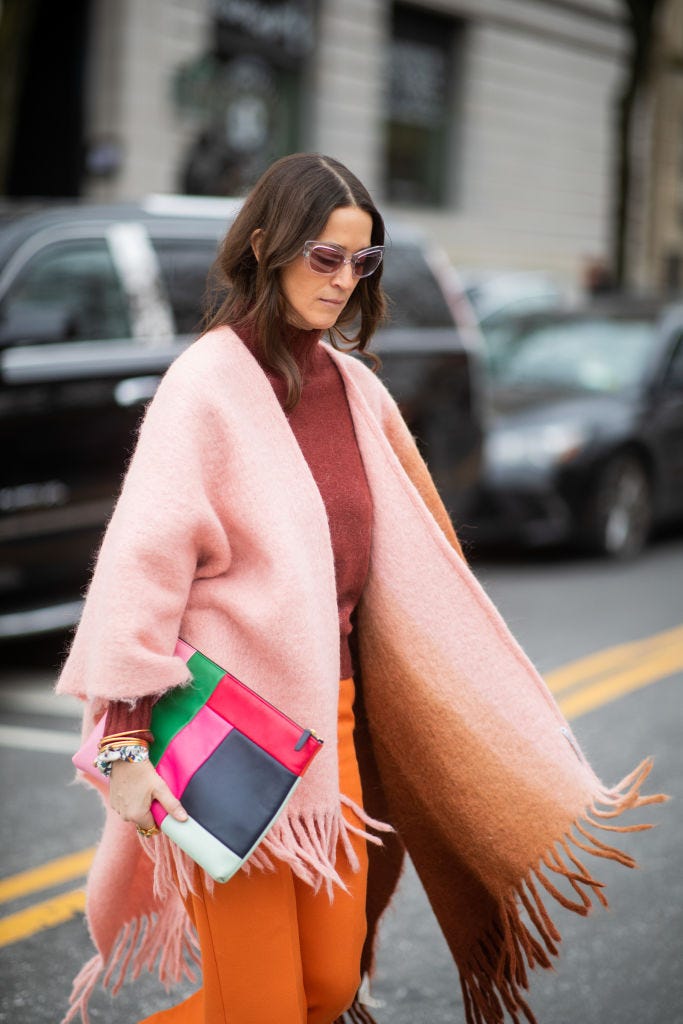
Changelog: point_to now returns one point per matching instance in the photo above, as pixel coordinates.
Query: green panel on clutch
(179, 706)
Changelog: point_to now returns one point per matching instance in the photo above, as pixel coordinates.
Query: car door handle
(133, 390)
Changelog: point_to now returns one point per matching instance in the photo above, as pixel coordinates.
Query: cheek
(297, 285)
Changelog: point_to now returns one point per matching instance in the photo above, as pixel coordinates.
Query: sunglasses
(329, 259)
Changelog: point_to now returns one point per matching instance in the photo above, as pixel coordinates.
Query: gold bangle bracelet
(118, 744)
(124, 735)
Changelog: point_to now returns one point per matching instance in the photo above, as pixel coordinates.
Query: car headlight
(538, 446)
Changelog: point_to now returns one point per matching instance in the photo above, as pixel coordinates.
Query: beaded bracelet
(135, 753)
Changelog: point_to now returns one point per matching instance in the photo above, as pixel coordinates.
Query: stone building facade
(488, 123)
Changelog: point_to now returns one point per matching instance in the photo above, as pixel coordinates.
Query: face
(316, 301)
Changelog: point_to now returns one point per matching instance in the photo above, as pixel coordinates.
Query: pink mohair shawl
(220, 535)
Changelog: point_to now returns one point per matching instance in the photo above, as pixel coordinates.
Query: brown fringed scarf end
(494, 976)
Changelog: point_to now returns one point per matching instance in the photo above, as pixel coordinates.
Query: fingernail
(181, 815)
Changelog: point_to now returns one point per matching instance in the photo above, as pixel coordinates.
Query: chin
(316, 316)
(319, 323)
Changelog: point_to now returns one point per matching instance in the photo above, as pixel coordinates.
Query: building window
(420, 106)
(245, 93)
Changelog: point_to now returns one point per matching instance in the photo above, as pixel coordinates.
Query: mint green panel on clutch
(209, 852)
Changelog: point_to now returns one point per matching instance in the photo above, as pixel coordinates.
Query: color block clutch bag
(231, 758)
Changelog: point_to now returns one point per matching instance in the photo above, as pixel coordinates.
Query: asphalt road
(623, 966)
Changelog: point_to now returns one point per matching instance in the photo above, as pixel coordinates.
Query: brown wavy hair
(290, 203)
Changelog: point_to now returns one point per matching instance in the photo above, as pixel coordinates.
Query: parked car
(500, 297)
(95, 302)
(585, 442)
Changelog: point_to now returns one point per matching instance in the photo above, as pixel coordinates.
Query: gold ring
(147, 832)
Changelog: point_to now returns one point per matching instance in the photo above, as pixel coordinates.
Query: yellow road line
(63, 869)
(43, 915)
(603, 662)
(661, 665)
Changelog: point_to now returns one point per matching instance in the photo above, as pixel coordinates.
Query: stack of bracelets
(130, 746)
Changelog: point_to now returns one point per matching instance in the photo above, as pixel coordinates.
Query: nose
(344, 277)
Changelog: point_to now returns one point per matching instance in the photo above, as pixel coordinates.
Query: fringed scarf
(463, 748)
(220, 535)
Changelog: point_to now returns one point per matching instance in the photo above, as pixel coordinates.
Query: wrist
(133, 753)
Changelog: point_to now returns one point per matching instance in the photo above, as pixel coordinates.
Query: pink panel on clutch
(263, 724)
(190, 748)
(158, 812)
(83, 758)
(183, 650)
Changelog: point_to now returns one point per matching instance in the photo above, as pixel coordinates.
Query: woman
(277, 515)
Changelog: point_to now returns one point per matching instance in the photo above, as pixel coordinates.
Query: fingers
(168, 801)
(132, 789)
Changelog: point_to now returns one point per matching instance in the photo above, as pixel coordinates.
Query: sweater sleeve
(165, 532)
(121, 717)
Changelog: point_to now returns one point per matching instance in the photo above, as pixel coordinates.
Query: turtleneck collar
(301, 343)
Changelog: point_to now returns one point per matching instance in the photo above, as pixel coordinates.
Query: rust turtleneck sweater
(321, 422)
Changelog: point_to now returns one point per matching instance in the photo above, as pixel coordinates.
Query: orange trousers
(273, 951)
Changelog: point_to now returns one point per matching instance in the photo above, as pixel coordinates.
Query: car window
(66, 291)
(590, 354)
(185, 265)
(415, 297)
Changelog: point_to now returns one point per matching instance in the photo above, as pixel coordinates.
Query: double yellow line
(47, 913)
(580, 687)
(589, 683)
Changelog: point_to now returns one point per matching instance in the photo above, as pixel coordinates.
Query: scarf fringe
(174, 871)
(365, 819)
(167, 937)
(84, 985)
(308, 846)
(495, 975)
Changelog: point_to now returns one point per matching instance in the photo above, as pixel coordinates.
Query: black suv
(95, 302)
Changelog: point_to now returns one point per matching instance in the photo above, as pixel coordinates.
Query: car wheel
(620, 512)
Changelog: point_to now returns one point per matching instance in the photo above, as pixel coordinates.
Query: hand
(133, 786)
